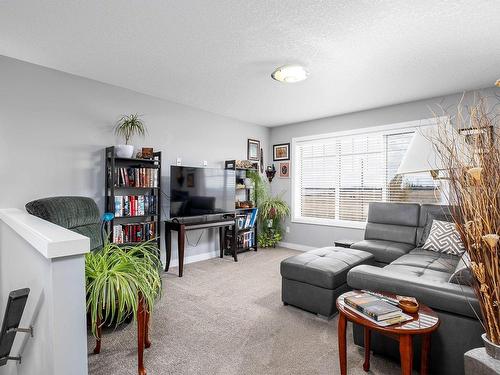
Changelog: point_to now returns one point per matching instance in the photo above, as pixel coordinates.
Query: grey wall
(320, 235)
(54, 127)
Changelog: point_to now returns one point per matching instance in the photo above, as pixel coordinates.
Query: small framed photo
(190, 180)
(478, 136)
(281, 152)
(253, 150)
(285, 169)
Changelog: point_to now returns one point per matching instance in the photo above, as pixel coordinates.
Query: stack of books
(134, 205)
(247, 220)
(134, 233)
(378, 310)
(136, 177)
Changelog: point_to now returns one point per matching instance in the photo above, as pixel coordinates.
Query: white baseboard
(195, 258)
(296, 246)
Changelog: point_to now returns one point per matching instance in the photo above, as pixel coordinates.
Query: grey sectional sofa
(394, 235)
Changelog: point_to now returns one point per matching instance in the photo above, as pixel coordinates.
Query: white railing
(50, 261)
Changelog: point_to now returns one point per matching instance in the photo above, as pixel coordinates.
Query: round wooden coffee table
(424, 322)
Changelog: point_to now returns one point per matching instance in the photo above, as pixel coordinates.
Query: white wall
(319, 235)
(54, 128)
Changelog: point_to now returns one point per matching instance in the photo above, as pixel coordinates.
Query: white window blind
(336, 177)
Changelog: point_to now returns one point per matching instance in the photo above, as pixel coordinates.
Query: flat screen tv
(201, 191)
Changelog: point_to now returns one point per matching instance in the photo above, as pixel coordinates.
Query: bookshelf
(246, 213)
(133, 194)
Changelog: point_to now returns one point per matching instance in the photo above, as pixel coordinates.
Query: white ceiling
(218, 54)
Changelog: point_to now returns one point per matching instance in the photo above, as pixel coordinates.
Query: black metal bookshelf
(245, 193)
(112, 189)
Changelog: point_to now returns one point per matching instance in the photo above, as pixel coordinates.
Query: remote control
(392, 301)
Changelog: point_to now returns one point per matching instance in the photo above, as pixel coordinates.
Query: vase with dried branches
(473, 167)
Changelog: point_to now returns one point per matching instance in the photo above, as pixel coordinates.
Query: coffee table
(424, 322)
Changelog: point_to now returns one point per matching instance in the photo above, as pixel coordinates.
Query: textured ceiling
(218, 55)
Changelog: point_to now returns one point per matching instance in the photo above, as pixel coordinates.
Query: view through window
(336, 177)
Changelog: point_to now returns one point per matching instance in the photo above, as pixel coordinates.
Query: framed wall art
(253, 150)
(281, 152)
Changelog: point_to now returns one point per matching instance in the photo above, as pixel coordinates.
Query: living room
(232, 175)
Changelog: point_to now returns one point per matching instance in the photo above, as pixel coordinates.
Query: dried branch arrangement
(472, 159)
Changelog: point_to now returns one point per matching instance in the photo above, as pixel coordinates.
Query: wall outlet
(287, 229)
(179, 161)
(205, 163)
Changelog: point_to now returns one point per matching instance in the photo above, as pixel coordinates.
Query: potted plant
(126, 127)
(272, 211)
(115, 277)
(473, 167)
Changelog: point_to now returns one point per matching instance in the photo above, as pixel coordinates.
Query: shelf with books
(246, 212)
(133, 194)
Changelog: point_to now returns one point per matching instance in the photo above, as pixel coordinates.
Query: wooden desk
(424, 322)
(182, 227)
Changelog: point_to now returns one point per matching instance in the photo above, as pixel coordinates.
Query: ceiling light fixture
(290, 73)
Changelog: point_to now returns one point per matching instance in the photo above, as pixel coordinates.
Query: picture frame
(284, 169)
(253, 150)
(190, 180)
(471, 135)
(281, 151)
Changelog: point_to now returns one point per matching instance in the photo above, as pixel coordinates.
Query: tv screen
(201, 191)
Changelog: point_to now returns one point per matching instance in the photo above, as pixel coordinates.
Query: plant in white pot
(126, 127)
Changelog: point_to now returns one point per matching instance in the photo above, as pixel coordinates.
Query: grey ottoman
(313, 280)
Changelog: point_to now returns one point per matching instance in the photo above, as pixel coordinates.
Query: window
(336, 176)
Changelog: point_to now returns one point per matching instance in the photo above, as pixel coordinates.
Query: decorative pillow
(462, 274)
(428, 224)
(444, 238)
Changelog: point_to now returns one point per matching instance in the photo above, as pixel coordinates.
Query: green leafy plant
(115, 276)
(130, 125)
(268, 238)
(272, 211)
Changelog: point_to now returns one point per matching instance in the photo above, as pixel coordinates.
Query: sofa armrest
(439, 295)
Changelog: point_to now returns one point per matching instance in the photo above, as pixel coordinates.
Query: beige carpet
(224, 318)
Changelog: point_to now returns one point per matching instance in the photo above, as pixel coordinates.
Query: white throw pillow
(444, 238)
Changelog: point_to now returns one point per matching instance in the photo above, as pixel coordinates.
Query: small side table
(424, 323)
(344, 243)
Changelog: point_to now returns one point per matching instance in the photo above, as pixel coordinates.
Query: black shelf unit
(112, 190)
(245, 193)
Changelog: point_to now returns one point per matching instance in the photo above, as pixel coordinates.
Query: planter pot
(124, 151)
(483, 361)
(492, 349)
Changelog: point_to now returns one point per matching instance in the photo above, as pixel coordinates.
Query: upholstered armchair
(78, 214)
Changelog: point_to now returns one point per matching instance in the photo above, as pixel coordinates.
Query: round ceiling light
(290, 73)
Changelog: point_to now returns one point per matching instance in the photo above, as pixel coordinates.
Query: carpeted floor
(224, 318)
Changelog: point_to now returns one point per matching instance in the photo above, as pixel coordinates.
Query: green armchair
(78, 214)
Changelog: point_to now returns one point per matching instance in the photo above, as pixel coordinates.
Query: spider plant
(115, 276)
(130, 125)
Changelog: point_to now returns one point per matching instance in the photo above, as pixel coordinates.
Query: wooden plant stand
(143, 340)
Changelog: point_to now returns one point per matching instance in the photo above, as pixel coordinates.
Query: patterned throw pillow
(462, 274)
(444, 238)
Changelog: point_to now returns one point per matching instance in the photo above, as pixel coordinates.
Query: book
(372, 306)
(383, 323)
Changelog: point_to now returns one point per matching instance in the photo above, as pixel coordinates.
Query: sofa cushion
(444, 238)
(395, 222)
(406, 214)
(384, 251)
(429, 212)
(430, 260)
(427, 286)
(326, 267)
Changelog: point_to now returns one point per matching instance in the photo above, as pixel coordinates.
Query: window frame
(295, 177)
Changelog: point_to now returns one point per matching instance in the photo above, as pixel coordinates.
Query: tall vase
(483, 361)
